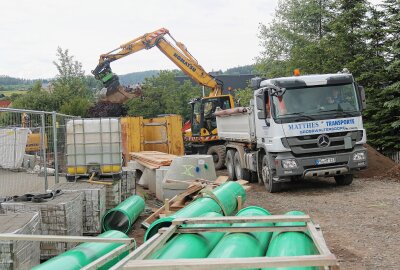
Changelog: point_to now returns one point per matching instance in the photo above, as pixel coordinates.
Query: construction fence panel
(394, 156)
(32, 147)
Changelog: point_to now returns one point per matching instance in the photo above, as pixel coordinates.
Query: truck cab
(301, 127)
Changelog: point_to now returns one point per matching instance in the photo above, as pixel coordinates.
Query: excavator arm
(178, 54)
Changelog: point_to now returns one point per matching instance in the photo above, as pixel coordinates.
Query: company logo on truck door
(322, 126)
(340, 122)
(303, 125)
(190, 66)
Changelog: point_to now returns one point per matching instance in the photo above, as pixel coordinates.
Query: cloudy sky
(219, 33)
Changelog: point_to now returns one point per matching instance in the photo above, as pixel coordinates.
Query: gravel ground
(360, 222)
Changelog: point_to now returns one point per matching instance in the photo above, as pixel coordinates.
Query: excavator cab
(203, 117)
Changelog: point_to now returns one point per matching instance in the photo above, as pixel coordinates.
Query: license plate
(321, 161)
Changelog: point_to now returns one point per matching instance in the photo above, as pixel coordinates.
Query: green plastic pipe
(240, 245)
(84, 254)
(226, 194)
(291, 244)
(122, 217)
(191, 245)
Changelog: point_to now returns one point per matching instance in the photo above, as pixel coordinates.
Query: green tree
(70, 81)
(162, 94)
(295, 38)
(320, 36)
(243, 96)
(70, 92)
(35, 99)
(391, 92)
(76, 106)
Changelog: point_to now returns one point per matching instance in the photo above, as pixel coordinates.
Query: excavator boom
(178, 54)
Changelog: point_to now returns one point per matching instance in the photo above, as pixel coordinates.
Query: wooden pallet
(152, 159)
(139, 258)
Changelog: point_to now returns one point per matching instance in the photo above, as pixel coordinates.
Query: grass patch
(8, 93)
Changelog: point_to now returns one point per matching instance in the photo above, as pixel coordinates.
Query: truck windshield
(316, 101)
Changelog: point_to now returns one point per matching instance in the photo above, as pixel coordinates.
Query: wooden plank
(147, 165)
(236, 219)
(158, 242)
(146, 223)
(246, 188)
(243, 229)
(242, 182)
(239, 203)
(153, 156)
(166, 204)
(221, 179)
(106, 257)
(195, 187)
(318, 239)
(136, 252)
(63, 238)
(229, 263)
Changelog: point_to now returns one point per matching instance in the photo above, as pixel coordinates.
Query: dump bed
(236, 124)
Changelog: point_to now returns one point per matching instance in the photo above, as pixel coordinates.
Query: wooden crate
(139, 258)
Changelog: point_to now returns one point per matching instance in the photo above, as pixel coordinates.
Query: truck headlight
(289, 164)
(359, 156)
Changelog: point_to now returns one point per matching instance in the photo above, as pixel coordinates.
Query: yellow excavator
(200, 133)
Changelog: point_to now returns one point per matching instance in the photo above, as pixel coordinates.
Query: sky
(220, 34)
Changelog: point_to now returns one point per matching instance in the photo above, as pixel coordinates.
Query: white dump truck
(296, 127)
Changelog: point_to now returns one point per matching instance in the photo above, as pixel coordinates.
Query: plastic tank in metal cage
(94, 146)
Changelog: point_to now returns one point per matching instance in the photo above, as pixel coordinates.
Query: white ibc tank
(94, 141)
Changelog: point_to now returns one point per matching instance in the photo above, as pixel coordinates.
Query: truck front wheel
(267, 174)
(344, 180)
(230, 154)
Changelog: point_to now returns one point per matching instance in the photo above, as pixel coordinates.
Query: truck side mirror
(255, 82)
(260, 105)
(362, 95)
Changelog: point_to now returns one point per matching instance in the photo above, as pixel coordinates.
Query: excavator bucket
(113, 91)
(120, 94)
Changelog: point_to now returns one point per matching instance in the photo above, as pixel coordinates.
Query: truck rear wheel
(240, 172)
(230, 154)
(218, 154)
(267, 174)
(344, 180)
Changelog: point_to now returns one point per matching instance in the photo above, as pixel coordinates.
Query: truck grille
(307, 145)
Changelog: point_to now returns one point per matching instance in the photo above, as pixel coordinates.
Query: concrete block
(59, 216)
(160, 174)
(19, 254)
(187, 169)
(94, 203)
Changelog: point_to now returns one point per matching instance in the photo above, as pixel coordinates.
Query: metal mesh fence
(32, 150)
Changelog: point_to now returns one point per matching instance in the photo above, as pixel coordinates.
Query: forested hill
(7, 82)
(137, 77)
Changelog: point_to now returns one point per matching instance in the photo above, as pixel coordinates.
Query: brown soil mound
(393, 173)
(103, 109)
(378, 164)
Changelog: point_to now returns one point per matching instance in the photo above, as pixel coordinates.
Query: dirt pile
(103, 109)
(393, 173)
(378, 164)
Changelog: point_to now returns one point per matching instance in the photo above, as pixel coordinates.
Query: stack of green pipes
(240, 244)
